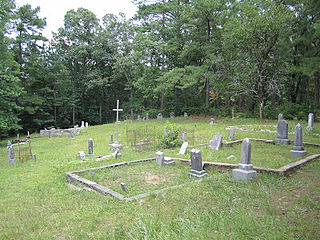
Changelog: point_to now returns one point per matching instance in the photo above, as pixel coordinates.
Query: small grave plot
(141, 178)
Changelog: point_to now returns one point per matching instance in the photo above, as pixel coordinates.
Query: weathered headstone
(184, 135)
(81, 154)
(280, 117)
(212, 121)
(166, 132)
(111, 139)
(310, 121)
(90, 147)
(216, 142)
(82, 124)
(168, 161)
(138, 118)
(232, 112)
(185, 114)
(124, 187)
(245, 171)
(160, 158)
(298, 149)
(159, 116)
(72, 134)
(147, 116)
(196, 164)
(183, 148)
(231, 134)
(35, 157)
(282, 132)
(11, 158)
(87, 124)
(50, 134)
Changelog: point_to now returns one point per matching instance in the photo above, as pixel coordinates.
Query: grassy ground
(37, 203)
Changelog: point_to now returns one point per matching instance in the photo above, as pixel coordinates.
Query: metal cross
(117, 120)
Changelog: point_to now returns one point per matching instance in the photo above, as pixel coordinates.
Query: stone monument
(231, 134)
(90, 147)
(212, 121)
(216, 142)
(160, 158)
(185, 114)
(298, 149)
(310, 121)
(196, 164)
(183, 148)
(282, 131)
(11, 158)
(159, 116)
(245, 171)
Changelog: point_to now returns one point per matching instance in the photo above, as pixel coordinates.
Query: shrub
(172, 139)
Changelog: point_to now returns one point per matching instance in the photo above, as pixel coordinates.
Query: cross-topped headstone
(117, 120)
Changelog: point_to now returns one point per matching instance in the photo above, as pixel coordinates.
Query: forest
(203, 57)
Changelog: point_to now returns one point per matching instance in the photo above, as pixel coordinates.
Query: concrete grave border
(73, 178)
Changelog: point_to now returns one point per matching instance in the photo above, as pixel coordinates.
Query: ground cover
(37, 203)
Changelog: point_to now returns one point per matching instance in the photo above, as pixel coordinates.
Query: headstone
(90, 147)
(216, 142)
(35, 157)
(82, 124)
(87, 124)
(282, 132)
(166, 132)
(111, 139)
(310, 121)
(212, 121)
(280, 117)
(72, 134)
(184, 135)
(11, 159)
(160, 158)
(138, 118)
(168, 161)
(232, 112)
(147, 116)
(183, 148)
(124, 187)
(231, 134)
(196, 164)
(185, 114)
(50, 134)
(159, 116)
(245, 171)
(81, 154)
(298, 149)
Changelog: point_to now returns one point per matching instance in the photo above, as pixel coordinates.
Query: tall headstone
(232, 112)
(11, 158)
(282, 132)
(160, 158)
(166, 132)
(82, 124)
(216, 142)
(245, 171)
(159, 116)
(196, 164)
(183, 148)
(147, 116)
(231, 134)
(310, 121)
(138, 118)
(298, 149)
(87, 124)
(50, 134)
(185, 114)
(212, 121)
(90, 147)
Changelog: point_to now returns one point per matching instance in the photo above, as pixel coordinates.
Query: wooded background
(195, 56)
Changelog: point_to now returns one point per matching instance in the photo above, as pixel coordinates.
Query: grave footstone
(212, 121)
(159, 116)
(185, 114)
(124, 187)
(81, 154)
(168, 161)
(160, 158)
(184, 135)
(282, 132)
(90, 147)
(298, 149)
(216, 142)
(310, 121)
(245, 171)
(196, 164)
(231, 134)
(11, 158)
(183, 148)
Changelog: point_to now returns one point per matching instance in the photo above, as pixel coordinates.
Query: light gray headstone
(183, 148)
(138, 118)
(87, 124)
(50, 133)
(81, 154)
(185, 114)
(147, 116)
(216, 142)
(212, 121)
(196, 164)
(298, 149)
(159, 116)
(282, 132)
(160, 158)
(90, 147)
(246, 151)
(184, 135)
(82, 124)
(72, 134)
(280, 117)
(310, 121)
(232, 112)
(11, 158)
(231, 134)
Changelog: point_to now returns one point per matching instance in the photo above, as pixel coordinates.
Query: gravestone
(184, 135)
(231, 134)
(298, 149)
(310, 121)
(216, 142)
(138, 118)
(212, 121)
(11, 158)
(124, 187)
(72, 134)
(87, 124)
(160, 158)
(35, 157)
(82, 124)
(282, 132)
(166, 132)
(159, 116)
(50, 134)
(81, 154)
(196, 164)
(280, 117)
(232, 112)
(90, 147)
(185, 114)
(111, 139)
(245, 171)
(183, 148)
(168, 161)
(147, 116)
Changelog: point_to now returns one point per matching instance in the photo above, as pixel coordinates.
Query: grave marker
(231, 134)
(310, 121)
(159, 116)
(124, 187)
(82, 124)
(81, 154)
(298, 149)
(282, 132)
(212, 121)
(87, 124)
(90, 147)
(185, 114)
(183, 148)
(216, 142)
(160, 158)
(196, 164)
(11, 158)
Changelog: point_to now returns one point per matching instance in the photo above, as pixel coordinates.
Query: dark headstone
(11, 158)
(196, 164)
(298, 149)
(90, 147)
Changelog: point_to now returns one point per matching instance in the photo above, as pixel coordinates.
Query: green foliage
(173, 138)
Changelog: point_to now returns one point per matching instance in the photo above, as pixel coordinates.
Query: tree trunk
(100, 113)
(316, 91)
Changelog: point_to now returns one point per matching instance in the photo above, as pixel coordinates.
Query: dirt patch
(153, 179)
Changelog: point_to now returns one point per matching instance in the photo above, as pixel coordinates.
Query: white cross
(117, 120)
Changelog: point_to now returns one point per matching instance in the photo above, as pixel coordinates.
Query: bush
(172, 139)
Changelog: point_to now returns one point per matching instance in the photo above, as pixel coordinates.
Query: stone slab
(243, 175)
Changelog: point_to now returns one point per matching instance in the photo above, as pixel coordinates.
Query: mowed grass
(36, 201)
